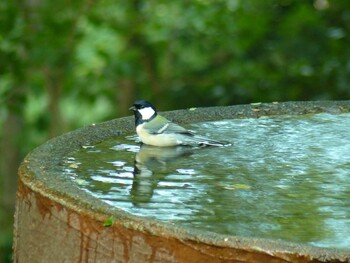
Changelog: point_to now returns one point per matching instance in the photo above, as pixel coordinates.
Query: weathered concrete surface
(57, 222)
(54, 233)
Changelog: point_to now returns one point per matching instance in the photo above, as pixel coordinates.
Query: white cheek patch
(146, 113)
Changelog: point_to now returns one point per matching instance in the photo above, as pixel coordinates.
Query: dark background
(65, 64)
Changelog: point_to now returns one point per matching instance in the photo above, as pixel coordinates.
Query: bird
(155, 130)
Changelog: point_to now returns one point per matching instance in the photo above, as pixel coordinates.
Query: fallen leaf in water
(238, 187)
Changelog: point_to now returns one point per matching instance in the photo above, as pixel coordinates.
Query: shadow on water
(150, 167)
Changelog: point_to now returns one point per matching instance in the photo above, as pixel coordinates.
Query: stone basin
(55, 221)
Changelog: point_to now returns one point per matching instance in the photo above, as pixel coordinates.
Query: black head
(141, 104)
(143, 111)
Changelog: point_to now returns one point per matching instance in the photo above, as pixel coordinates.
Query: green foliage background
(65, 64)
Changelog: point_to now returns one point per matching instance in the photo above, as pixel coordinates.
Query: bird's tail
(202, 141)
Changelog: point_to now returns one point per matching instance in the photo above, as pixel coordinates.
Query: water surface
(285, 177)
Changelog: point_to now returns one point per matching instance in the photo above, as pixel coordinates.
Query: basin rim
(40, 171)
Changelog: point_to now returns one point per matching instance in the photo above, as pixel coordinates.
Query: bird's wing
(161, 125)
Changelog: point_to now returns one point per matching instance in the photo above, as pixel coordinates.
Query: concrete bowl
(55, 221)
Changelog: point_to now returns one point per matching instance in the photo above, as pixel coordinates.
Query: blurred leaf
(109, 221)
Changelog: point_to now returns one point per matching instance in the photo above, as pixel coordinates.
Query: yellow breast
(161, 140)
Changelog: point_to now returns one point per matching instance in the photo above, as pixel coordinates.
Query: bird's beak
(132, 108)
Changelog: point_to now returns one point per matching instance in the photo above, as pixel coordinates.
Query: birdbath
(56, 221)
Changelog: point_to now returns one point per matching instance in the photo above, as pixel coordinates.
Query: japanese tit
(153, 129)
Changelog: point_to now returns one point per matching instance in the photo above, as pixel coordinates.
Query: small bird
(153, 129)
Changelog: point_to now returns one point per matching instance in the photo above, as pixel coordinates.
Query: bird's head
(144, 111)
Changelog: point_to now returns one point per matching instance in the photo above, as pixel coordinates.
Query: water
(285, 177)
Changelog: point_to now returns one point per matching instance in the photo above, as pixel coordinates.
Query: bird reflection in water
(150, 167)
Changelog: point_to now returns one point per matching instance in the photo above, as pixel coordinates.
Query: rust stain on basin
(57, 222)
(53, 233)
